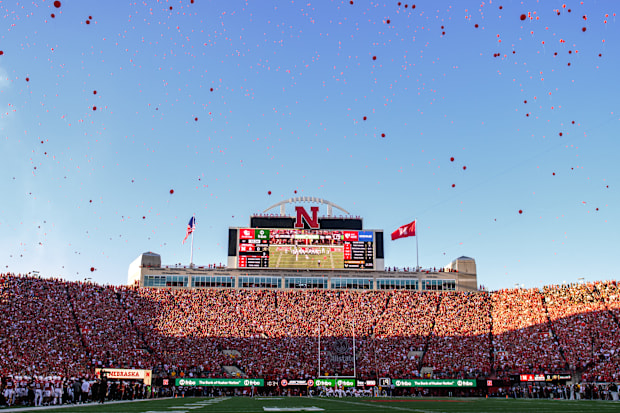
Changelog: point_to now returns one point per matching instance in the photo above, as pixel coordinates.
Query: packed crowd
(67, 329)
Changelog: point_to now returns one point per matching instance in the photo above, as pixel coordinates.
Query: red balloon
(560, 133)
(452, 159)
(583, 29)
(27, 79)
(365, 118)
(196, 119)
(92, 269)
(211, 90)
(172, 191)
(52, 15)
(57, 4)
(87, 21)
(374, 58)
(464, 167)
(476, 25)
(268, 192)
(94, 92)
(520, 211)
(523, 17)
(453, 185)
(1, 52)
(388, 21)
(94, 107)
(383, 135)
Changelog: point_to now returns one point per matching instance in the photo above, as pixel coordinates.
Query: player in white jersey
(9, 391)
(57, 390)
(47, 391)
(38, 392)
(22, 389)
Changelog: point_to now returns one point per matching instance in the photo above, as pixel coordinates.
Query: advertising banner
(286, 382)
(335, 382)
(220, 382)
(119, 374)
(433, 383)
(532, 377)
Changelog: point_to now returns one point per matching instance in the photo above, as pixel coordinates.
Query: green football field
(344, 405)
(285, 258)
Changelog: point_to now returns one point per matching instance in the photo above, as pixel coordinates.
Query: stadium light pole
(354, 361)
(319, 375)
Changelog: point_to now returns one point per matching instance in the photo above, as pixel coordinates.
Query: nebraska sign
(302, 215)
(144, 375)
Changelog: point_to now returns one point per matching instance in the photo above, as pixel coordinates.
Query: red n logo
(302, 214)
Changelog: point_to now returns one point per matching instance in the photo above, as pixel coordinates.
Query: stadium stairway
(544, 298)
(428, 337)
(75, 320)
(492, 346)
(139, 333)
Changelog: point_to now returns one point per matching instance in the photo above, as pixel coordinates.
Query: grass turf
(345, 405)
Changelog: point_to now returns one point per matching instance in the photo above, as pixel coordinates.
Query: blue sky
(236, 105)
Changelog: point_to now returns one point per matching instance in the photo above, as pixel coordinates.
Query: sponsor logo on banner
(532, 377)
(350, 236)
(366, 236)
(296, 382)
(324, 382)
(434, 383)
(261, 234)
(246, 233)
(220, 382)
(345, 382)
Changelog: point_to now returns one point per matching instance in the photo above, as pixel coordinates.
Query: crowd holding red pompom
(58, 328)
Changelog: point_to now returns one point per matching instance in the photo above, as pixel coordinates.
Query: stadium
(305, 306)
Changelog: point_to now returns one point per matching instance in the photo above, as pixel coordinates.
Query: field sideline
(340, 405)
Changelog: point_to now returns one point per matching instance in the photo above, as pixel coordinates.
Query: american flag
(190, 228)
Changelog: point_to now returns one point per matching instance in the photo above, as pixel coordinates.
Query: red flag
(404, 231)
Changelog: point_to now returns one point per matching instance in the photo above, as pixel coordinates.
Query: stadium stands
(57, 328)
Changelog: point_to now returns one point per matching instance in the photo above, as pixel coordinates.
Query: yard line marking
(382, 406)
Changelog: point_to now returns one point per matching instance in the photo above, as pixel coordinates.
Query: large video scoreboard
(290, 248)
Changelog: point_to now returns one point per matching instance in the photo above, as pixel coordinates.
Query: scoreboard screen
(305, 248)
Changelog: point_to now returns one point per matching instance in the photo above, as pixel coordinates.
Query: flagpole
(191, 254)
(417, 256)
